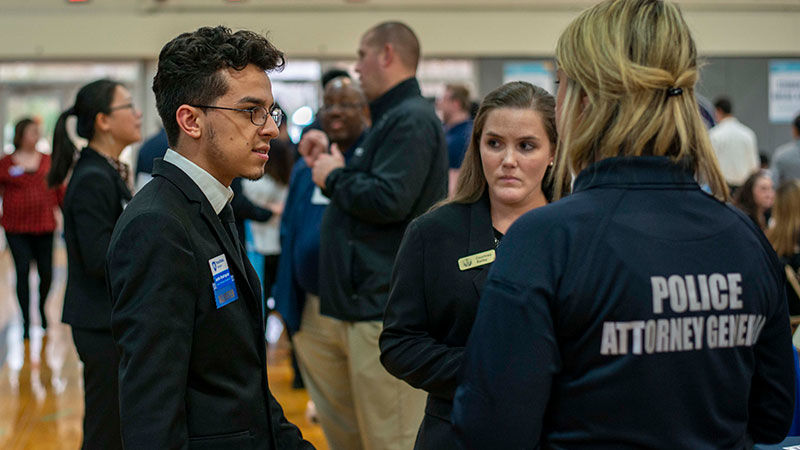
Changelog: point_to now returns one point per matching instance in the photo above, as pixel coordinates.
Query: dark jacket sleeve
(94, 213)
(287, 435)
(152, 323)
(388, 191)
(513, 343)
(772, 391)
(408, 351)
(243, 208)
(289, 296)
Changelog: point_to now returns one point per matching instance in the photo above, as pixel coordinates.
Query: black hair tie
(71, 111)
(671, 92)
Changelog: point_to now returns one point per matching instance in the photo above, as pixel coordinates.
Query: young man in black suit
(187, 316)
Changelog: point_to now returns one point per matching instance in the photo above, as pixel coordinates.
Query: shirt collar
(216, 193)
(643, 172)
(403, 90)
(466, 123)
(348, 154)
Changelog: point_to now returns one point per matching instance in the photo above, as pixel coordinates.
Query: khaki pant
(360, 405)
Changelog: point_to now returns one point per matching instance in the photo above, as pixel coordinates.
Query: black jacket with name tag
(432, 305)
(191, 375)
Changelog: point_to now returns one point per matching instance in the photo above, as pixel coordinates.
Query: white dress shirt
(216, 193)
(736, 149)
(264, 192)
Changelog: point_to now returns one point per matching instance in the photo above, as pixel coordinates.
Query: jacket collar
(193, 193)
(89, 152)
(95, 157)
(481, 238)
(218, 194)
(401, 91)
(636, 172)
(348, 154)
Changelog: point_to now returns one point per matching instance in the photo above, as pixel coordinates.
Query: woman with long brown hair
(784, 235)
(269, 192)
(755, 198)
(445, 254)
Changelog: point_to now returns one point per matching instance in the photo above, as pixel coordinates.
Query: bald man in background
(396, 174)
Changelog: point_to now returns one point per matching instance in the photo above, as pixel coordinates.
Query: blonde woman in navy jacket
(640, 311)
(445, 254)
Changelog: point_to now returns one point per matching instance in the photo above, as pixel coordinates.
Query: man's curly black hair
(189, 68)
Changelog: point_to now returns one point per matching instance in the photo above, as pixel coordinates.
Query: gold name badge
(476, 260)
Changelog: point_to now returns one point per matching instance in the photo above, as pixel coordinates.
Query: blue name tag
(224, 284)
(15, 171)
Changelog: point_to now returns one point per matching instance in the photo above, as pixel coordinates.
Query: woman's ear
(584, 100)
(102, 122)
(190, 121)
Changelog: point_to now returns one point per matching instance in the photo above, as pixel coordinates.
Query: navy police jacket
(639, 312)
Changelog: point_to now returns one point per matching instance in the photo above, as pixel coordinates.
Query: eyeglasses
(258, 114)
(125, 106)
(344, 106)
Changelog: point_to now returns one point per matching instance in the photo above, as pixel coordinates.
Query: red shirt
(28, 205)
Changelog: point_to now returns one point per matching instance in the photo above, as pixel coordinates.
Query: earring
(551, 163)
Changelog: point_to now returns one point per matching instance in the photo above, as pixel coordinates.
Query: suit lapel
(123, 188)
(193, 193)
(255, 286)
(481, 238)
(227, 244)
(100, 161)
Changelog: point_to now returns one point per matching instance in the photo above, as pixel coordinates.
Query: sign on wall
(784, 90)
(541, 74)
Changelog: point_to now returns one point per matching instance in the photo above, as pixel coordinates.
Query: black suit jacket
(95, 198)
(432, 303)
(191, 375)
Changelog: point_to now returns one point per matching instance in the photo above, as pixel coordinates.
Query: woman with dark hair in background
(755, 198)
(445, 254)
(95, 197)
(784, 235)
(29, 215)
(270, 192)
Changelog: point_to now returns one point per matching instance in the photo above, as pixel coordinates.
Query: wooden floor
(41, 388)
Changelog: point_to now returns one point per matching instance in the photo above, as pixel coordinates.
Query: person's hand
(325, 164)
(313, 144)
(276, 208)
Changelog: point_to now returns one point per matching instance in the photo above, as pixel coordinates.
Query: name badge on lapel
(224, 284)
(476, 260)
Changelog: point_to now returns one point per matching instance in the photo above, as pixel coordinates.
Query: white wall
(137, 29)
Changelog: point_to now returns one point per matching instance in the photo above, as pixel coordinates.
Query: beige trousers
(360, 405)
